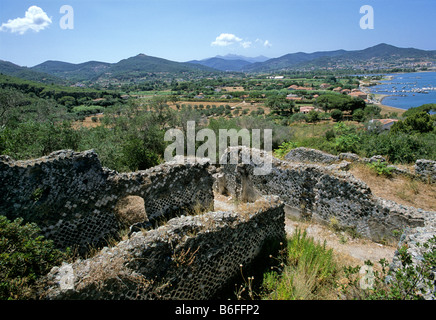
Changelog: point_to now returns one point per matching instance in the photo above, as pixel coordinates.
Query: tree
(68, 101)
(424, 108)
(281, 106)
(337, 115)
(372, 112)
(312, 117)
(420, 122)
(25, 256)
(358, 115)
(339, 101)
(9, 99)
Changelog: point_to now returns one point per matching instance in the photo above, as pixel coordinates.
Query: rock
(351, 157)
(426, 170)
(310, 155)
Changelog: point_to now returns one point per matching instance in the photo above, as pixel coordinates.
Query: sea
(407, 90)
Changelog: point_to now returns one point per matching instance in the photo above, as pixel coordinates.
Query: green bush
(137, 155)
(284, 149)
(424, 108)
(35, 139)
(419, 122)
(25, 256)
(337, 115)
(359, 115)
(347, 143)
(400, 147)
(330, 135)
(410, 281)
(381, 168)
(307, 272)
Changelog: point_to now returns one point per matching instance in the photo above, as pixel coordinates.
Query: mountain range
(230, 62)
(382, 56)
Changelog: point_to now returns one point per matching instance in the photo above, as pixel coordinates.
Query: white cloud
(226, 39)
(246, 44)
(267, 44)
(34, 19)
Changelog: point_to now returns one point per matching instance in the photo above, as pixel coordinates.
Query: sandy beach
(378, 100)
(388, 109)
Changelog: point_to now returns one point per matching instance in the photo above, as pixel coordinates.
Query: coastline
(378, 100)
(388, 109)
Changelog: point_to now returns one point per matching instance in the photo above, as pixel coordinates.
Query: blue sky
(182, 30)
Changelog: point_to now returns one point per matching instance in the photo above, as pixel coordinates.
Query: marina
(407, 90)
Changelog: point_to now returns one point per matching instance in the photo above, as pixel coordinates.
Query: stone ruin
(426, 169)
(197, 253)
(320, 191)
(189, 258)
(72, 198)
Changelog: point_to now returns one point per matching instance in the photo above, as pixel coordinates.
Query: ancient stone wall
(72, 198)
(416, 241)
(191, 257)
(310, 155)
(320, 192)
(426, 169)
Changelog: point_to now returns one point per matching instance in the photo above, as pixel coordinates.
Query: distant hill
(381, 56)
(243, 58)
(142, 65)
(73, 72)
(384, 50)
(291, 60)
(131, 68)
(376, 57)
(11, 69)
(222, 64)
(229, 62)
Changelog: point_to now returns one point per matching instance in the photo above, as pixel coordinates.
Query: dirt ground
(398, 188)
(347, 250)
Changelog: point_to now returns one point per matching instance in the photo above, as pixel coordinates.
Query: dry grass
(131, 210)
(184, 257)
(88, 122)
(111, 275)
(387, 110)
(401, 189)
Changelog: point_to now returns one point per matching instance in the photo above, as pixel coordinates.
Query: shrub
(347, 143)
(312, 117)
(381, 168)
(337, 115)
(330, 135)
(25, 256)
(137, 155)
(307, 272)
(358, 115)
(400, 147)
(419, 122)
(284, 149)
(372, 112)
(410, 281)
